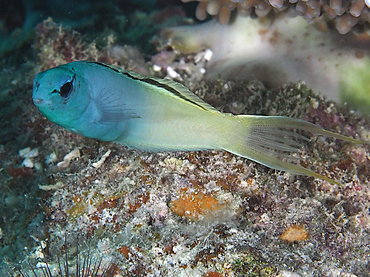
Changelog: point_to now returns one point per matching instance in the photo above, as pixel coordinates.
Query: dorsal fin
(169, 87)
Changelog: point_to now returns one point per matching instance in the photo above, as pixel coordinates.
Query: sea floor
(204, 213)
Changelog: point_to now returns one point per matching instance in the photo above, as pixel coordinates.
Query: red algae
(21, 172)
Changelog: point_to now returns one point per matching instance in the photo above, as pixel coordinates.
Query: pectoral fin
(112, 107)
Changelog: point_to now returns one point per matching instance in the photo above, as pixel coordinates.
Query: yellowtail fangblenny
(110, 104)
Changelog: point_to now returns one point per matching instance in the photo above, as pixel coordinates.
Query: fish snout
(38, 101)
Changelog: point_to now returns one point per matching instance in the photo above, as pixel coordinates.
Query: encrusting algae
(294, 234)
(192, 206)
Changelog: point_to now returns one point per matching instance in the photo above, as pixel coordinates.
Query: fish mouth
(38, 101)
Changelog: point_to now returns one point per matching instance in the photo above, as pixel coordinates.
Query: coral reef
(59, 45)
(82, 263)
(200, 212)
(280, 51)
(345, 15)
(206, 213)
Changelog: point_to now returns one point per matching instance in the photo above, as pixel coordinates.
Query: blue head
(85, 97)
(61, 94)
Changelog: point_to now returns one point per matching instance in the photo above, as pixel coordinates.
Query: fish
(108, 103)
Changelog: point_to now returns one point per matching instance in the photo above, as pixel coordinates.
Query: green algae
(354, 85)
(250, 265)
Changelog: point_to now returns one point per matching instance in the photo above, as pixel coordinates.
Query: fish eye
(66, 89)
(66, 86)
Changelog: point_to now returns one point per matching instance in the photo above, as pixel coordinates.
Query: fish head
(61, 94)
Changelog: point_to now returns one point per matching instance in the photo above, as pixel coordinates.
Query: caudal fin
(274, 142)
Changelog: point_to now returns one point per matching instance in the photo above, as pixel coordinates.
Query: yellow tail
(274, 142)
